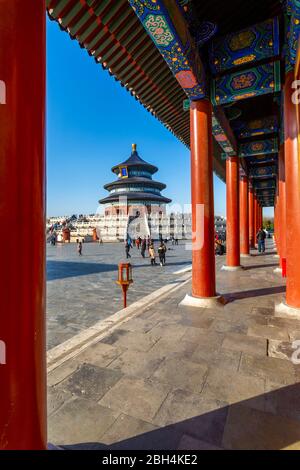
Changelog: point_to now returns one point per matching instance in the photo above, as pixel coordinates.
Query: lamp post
(125, 279)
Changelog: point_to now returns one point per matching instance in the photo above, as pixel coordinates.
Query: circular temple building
(134, 192)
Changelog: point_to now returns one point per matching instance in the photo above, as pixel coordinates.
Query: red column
(232, 211)
(251, 217)
(292, 182)
(203, 254)
(255, 219)
(259, 216)
(276, 220)
(22, 215)
(244, 215)
(256, 216)
(282, 206)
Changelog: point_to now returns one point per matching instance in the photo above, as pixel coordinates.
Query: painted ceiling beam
(256, 127)
(239, 85)
(263, 172)
(259, 147)
(260, 159)
(164, 22)
(239, 48)
(167, 27)
(293, 32)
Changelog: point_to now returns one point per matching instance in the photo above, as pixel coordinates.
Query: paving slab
(139, 398)
(138, 364)
(268, 368)
(80, 420)
(182, 373)
(268, 332)
(223, 359)
(247, 344)
(192, 414)
(90, 381)
(125, 428)
(132, 340)
(232, 387)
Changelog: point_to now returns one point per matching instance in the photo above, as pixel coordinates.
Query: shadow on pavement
(269, 421)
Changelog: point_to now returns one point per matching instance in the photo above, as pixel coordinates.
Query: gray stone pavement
(82, 290)
(176, 377)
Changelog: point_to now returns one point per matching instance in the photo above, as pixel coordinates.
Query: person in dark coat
(162, 253)
(143, 247)
(260, 237)
(127, 248)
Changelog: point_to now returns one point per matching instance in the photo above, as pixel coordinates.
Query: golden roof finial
(133, 146)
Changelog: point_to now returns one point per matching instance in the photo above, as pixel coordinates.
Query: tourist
(79, 248)
(219, 247)
(127, 248)
(162, 253)
(260, 237)
(152, 254)
(143, 247)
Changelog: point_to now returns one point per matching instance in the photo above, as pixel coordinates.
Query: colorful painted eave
(112, 34)
(165, 24)
(239, 48)
(239, 85)
(293, 32)
(259, 147)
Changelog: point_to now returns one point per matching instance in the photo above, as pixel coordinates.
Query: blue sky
(91, 123)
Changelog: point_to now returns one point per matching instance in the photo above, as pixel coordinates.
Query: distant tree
(269, 225)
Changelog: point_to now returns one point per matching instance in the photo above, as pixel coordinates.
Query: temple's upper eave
(135, 161)
(135, 196)
(136, 180)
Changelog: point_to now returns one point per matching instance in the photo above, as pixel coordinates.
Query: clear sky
(91, 123)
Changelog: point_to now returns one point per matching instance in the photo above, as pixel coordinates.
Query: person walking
(152, 254)
(79, 248)
(127, 248)
(148, 242)
(162, 253)
(143, 247)
(260, 237)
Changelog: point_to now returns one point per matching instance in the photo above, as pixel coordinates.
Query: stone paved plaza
(82, 290)
(173, 377)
